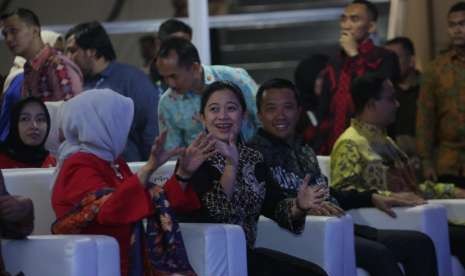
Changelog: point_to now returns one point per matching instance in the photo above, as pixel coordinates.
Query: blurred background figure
(148, 48)
(13, 82)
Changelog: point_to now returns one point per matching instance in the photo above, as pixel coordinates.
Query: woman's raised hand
(229, 150)
(196, 153)
(159, 155)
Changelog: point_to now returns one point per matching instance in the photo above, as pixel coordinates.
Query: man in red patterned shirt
(358, 56)
(48, 74)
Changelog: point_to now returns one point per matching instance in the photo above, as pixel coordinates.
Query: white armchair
(212, 249)
(455, 213)
(429, 219)
(326, 241)
(64, 255)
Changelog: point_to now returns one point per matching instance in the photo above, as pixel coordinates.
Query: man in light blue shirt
(179, 64)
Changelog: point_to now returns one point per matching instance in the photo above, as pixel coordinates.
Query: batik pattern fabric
(51, 76)
(163, 248)
(365, 158)
(440, 126)
(254, 194)
(179, 114)
(289, 162)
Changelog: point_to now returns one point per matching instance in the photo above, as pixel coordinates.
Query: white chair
(430, 219)
(455, 213)
(64, 255)
(326, 241)
(212, 249)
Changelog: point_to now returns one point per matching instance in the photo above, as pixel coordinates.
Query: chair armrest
(215, 249)
(430, 219)
(65, 255)
(455, 208)
(326, 241)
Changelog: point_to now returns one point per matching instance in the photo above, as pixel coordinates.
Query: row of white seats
(427, 219)
(214, 249)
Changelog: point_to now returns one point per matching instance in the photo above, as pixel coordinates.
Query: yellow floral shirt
(365, 158)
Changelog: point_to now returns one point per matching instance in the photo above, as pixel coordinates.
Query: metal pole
(198, 19)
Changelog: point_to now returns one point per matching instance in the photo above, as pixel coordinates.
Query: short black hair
(26, 15)
(404, 42)
(184, 49)
(171, 26)
(150, 38)
(371, 8)
(457, 7)
(221, 85)
(365, 88)
(276, 83)
(92, 35)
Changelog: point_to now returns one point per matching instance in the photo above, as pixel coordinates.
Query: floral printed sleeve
(347, 169)
(166, 123)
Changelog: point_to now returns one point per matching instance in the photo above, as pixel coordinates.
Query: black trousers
(267, 262)
(380, 251)
(457, 242)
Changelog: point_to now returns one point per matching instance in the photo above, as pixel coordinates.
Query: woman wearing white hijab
(95, 191)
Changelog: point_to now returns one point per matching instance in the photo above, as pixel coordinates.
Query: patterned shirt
(335, 104)
(290, 162)
(254, 193)
(51, 76)
(441, 115)
(179, 113)
(365, 158)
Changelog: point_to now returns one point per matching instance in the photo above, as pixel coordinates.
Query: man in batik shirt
(365, 158)
(48, 74)
(441, 108)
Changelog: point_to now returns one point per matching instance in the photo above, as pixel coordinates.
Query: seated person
(233, 184)
(364, 158)
(96, 193)
(29, 128)
(290, 159)
(17, 218)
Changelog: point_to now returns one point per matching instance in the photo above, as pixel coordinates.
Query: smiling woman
(233, 185)
(29, 128)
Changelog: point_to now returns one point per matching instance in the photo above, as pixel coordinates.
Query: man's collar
(457, 54)
(366, 46)
(368, 129)
(40, 58)
(108, 70)
(275, 140)
(208, 76)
